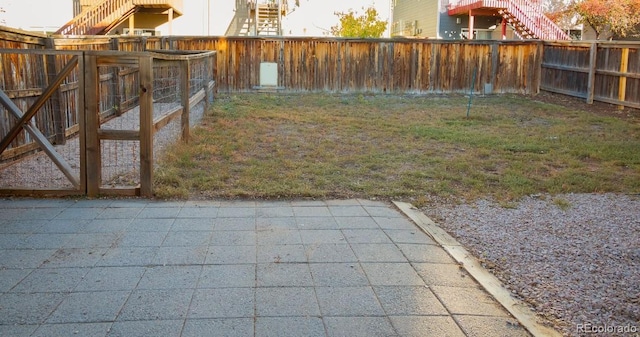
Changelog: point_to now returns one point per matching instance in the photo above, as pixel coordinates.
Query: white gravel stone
(574, 258)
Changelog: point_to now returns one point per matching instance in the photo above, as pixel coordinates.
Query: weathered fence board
(602, 71)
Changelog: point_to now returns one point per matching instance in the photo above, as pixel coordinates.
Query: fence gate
(91, 123)
(41, 147)
(137, 104)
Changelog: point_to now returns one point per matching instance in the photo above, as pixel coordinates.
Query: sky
(312, 18)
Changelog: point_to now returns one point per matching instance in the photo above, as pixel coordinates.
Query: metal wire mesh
(119, 110)
(23, 165)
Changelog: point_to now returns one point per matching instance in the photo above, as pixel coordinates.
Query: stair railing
(532, 18)
(88, 22)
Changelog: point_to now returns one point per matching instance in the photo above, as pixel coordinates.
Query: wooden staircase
(108, 14)
(257, 18)
(526, 17)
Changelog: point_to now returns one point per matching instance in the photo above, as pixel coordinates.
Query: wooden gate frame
(94, 134)
(25, 122)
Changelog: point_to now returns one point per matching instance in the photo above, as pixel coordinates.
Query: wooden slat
(593, 52)
(24, 119)
(146, 127)
(92, 120)
(106, 134)
(161, 122)
(185, 88)
(42, 141)
(622, 86)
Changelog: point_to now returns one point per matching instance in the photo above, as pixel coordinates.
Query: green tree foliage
(367, 25)
(620, 17)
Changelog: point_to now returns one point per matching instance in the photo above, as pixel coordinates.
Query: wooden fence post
(185, 88)
(115, 81)
(92, 124)
(82, 123)
(146, 126)
(59, 116)
(622, 86)
(593, 53)
(495, 62)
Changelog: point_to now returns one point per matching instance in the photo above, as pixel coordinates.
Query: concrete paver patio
(224, 268)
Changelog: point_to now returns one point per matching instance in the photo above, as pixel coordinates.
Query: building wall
(430, 19)
(415, 18)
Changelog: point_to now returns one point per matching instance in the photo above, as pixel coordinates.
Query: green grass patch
(399, 147)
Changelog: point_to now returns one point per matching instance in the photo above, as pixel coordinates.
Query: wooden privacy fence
(98, 117)
(596, 71)
(341, 65)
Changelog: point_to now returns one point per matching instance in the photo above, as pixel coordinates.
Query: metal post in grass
(473, 81)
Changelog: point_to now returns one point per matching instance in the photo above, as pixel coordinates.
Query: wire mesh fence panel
(44, 153)
(113, 96)
(120, 163)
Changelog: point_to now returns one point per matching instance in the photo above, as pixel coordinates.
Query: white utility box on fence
(268, 74)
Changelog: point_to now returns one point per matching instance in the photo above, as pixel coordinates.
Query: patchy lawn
(402, 147)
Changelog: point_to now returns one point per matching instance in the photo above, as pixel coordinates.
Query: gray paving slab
(219, 327)
(72, 329)
(231, 268)
(287, 301)
(289, 327)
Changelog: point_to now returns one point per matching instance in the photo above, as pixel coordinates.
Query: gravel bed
(574, 258)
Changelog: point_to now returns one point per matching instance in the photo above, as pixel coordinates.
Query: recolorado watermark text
(589, 328)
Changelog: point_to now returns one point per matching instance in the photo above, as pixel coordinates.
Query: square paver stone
(289, 327)
(478, 326)
(219, 327)
(128, 256)
(227, 276)
(356, 222)
(419, 326)
(183, 238)
(233, 238)
(286, 301)
(395, 223)
(277, 236)
(193, 225)
(237, 212)
(110, 278)
(330, 252)
(338, 274)
(439, 274)
(348, 301)
(468, 301)
(231, 255)
(409, 236)
(366, 236)
(170, 277)
(281, 254)
(222, 303)
(316, 222)
(27, 308)
(348, 210)
(409, 301)
(392, 274)
(359, 326)
(71, 329)
(425, 253)
(180, 255)
(284, 275)
(95, 307)
(322, 236)
(378, 252)
(198, 212)
(51, 280)
(166, 328)
(24, 258)
(234, 224)
(165, 304)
